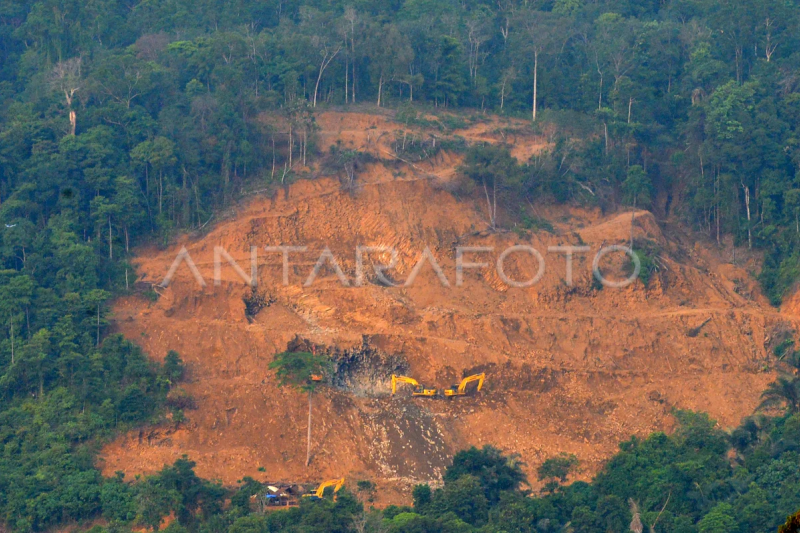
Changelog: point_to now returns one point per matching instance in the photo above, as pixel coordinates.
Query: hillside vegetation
(680, 483)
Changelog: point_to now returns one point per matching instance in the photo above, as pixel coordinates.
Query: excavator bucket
(419, 390)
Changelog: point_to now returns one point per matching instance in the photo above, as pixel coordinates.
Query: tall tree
(449, 82)
(302, 371)
(324, 40)
(541, 31)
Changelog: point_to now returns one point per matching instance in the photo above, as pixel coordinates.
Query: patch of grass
(535, 224)
(453, 122)
(779, 274)
(365, 485)
(415, 148)
(178, 398)
(409, 116)
(783, 348)
(150, 295)
(647, 252)
(457, 144)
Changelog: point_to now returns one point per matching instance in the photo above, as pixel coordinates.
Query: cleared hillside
(569, 369)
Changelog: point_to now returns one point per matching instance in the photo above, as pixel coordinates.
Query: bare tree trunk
(738, 53)
(326, 60)
(600, 97)
(535, 79)
(633, 220)
(769, 49)
(653, 525)
(702, 167)
(255, 68)
(308, 438)
(160, 191)
(492, 210)
(197, 204)
(716, 203)
(351, 17)
(636, 525)
(630, 105)
(316, 86)
(380, 90)
(494, 202)
(747, 205)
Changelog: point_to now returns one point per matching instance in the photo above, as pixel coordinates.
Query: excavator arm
(461, 390)
(419, 390)
(477, 377)
(403, 379)
(320, 492)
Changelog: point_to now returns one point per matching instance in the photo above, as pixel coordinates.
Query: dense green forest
(143, 118)
(123, 122)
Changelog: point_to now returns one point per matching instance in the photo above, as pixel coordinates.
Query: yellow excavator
(419, 390)
(320, 492)
(461, 389)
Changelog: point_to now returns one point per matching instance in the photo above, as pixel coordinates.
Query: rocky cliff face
(571, 369)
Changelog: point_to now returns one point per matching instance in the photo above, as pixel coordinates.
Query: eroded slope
(572, 369)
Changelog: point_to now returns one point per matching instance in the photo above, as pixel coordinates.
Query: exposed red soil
(569, 369)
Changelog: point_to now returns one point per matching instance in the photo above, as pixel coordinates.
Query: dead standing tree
(66, 79)
(476, 36)
(351, 17)
(543, 31)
